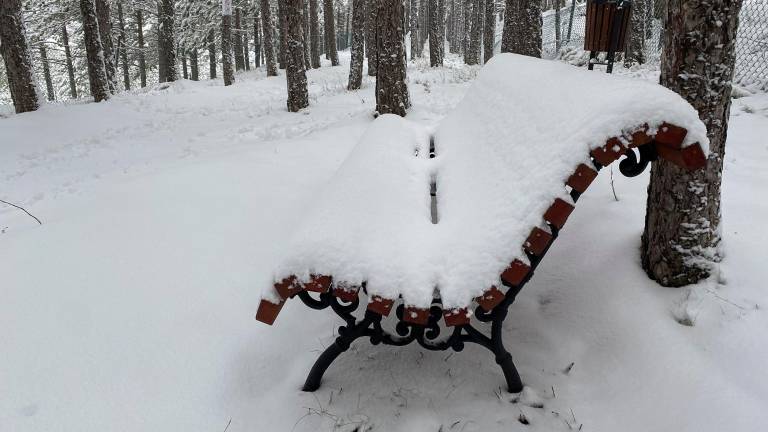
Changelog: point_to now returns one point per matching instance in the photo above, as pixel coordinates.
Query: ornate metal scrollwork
(632, 165)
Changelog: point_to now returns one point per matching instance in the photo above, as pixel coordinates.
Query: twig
(228, 423)
(613, 187)
(22, 209)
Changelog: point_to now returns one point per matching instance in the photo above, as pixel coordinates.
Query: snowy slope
(131, 307)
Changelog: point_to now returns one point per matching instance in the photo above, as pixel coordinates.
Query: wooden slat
(416, 315)
(490, 299)
(608, 153)
(288, 287)
(537, 241)
(380, 305)
(456, 317)
(671, 135)
(318, 283)
(558, 213)
(345, 293)
(268, 311)
(581, 178)
(516, 273)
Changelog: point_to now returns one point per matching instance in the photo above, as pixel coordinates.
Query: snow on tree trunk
(194, 65)
(682, 226)
(472, 56)
(295, 71)
(47, 73)
(122, 48)
(268, 38)
(330, 31)
(140, 41)
(489, 33)
(314, 30)
(226, 42)
(371, 7)
(167, 42)
(237, 42)
(635, 49)
(414, 24)
(510, 37)
(391, 88)
(307, 39)
(358, 45)
(18, 66)
(435, 53)
(68, 61)
(211, 54)
(97, 74)
(522, 28)
(105, 33)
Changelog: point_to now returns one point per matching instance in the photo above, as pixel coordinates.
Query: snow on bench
(529, 136)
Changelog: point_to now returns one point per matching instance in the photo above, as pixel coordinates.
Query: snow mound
(502, 157)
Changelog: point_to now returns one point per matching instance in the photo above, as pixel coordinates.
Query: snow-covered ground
(131, 308)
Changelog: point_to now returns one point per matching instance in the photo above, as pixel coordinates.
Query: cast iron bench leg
(504, 359)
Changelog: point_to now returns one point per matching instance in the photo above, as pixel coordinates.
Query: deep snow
(131, 307)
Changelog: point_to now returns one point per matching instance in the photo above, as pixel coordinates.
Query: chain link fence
(564, 35)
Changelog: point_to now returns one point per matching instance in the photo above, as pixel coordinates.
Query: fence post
(570, 22)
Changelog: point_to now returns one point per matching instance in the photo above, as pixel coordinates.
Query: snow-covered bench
(448, 227)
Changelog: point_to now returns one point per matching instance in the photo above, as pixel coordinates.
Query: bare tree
(122, 48)
(296, 77)
(472, 55)
(268, 38)
(330, 32)
(105, 34)
(435, 40)
(211, 54)
(489, 33)
(358, 42)
(314, 29)
(15, 52)
(194, 65)
(682, 225)
(68, 61)
(391, 88)
(415, 31)
(256, 41)
(166, 41)
(307, 38)
(140, 41)
(97, 74)
(226, 42)
(47, 72)
(237, 42)
(371, 7)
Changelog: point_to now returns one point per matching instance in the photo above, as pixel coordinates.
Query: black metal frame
(428, 336)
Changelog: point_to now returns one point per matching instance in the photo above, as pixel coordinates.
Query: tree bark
(256, 41)
(47, 73)
(511, 35)
(330, 31)
(68, 60)
(211, 54)
(635, 49)
(358, 42)
(295, 72)
(283, 34)
(15, 53)
(107, 46)
(122, 48)
(184, 69)
(237, 42)
(371, 46)
(167, 42)
(97, 74)
(415, 32)
(268, 33)
(489, 33)
(435, 53)
(682, 226)
(472, 56)
(306, 36)
(194, 65)
(140, 41)
(391, 88)
(314, 23)
(246, 54)
(226, 42)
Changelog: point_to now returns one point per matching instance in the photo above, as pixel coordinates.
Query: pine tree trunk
(330, 31)
(184, 69)
(47, 73)
(237, 42)
(371, 8)
(167, 41)
(244, 38)
(391, 88)
(268, 38)
(14, 50)
(226, 42)
(306, 36)
(211, 54)
(489, 34)
(414, 25)
(472, 56)
(140, 41)
(682, 226)
(105, 34)
(635, 49)
(511, 35)
(435, 53)
(97, 74)
(122, 48)
(314, 29)
(530, 27)
(295, 72)
(358, 42)
(256, 41)
(194, 66)
(68, 60)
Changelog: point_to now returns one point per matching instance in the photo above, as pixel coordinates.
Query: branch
(22, 209)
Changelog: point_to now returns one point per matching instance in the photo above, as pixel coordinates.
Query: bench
(446, 228)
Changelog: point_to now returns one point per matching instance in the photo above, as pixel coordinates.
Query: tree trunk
(237, 42)
(47, 73)
(122, 48)
(268, 33)
(435, 53)
(256, 41)
(489, 34)
(244, 38)
(682, 226)
(68, 60)
(314, 28)
(511, 35)
(194, 65)
(371, 7)
(105, 33)
(18, 67)
(414, 25)
(226, 42)
(330, 31)
(184, 69)
(167, 42)
(295, 72)
(472, 56)
(358, 42)
(283, 34)
(142, 56)
(635, 49)
(391, 88)
(97, 74)
(211, 54)
(530, 27)
(306, 36)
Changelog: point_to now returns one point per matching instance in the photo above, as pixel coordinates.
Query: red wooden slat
(268, 311)
(582, 178)
(537, 241)
(456, 317)
(558, 213)
(671, 135)
(318, 283)
(515, 274)
(347, 294)
(490, 299)
(608, 153)
(380, 305)
(416, 315)
(288, 287)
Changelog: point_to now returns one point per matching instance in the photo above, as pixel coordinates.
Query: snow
(131, 307)
(502, 157)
